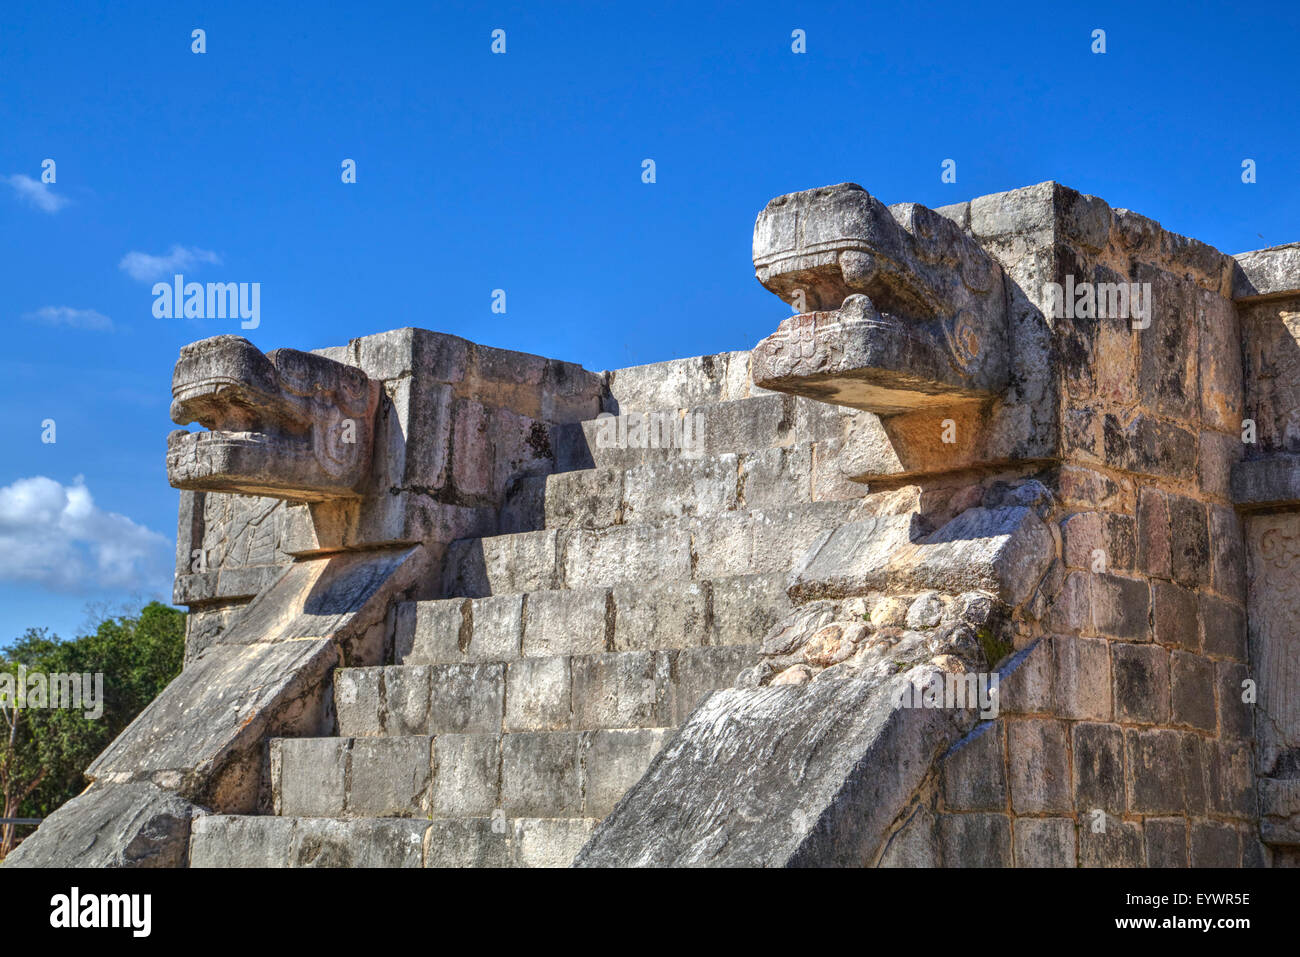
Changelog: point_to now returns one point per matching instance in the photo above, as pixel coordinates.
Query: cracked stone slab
(780, 776)
(135, 824)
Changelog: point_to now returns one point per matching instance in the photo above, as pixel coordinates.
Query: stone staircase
(520, 707)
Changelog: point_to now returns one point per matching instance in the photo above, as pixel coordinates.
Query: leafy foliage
(137, 654)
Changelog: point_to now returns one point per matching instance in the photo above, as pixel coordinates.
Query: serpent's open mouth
(238, 411)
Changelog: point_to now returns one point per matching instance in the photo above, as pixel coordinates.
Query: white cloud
(145, 266)
(36, 193)
(87, 319)
(54, 536)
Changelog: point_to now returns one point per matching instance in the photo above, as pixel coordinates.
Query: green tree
(44, 752)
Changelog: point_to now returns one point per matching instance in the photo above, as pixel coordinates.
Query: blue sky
(522, 172)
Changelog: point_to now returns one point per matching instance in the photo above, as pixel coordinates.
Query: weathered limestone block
(1280, 810)
(1271, 341)
(1269, 475)
(567, 622)
(1166, 841)
(390, 777)
(467, 779)
(373, 842)
(542, 842)
(916, 843)
(900, 308)
(235, 841)
(973, 775)
(1002, 550)
(695, 672)
(1214, 845)
(339, 597)
(674, 615)
(523, 561)
(625, 553)
(613, 761)
(780, 776)
(975, 840)
(746, 607)
(1266, 272)
(1045, 842)
(1267, 482)
(1112, 843)
(221, 841)
(309, 775)
(681, 383)
(629, 689)
(544, 389)
(207, 622)
(135, 824)
(539, 694)
(454, 630)
(540, 775)
(431, 699)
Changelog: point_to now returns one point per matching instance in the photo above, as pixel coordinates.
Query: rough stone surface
(1001, 550)
(811, 758)
(136, 824)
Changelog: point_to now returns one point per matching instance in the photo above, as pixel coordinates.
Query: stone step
(548, 774)
(739, 542)
(653, 493)
(695, 380)
(669, 433)
(734, 610)
(219, 840)
(630, 689)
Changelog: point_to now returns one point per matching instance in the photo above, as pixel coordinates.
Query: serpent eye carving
(963, 341)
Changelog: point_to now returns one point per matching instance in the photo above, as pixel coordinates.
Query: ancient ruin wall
(1124, 739)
